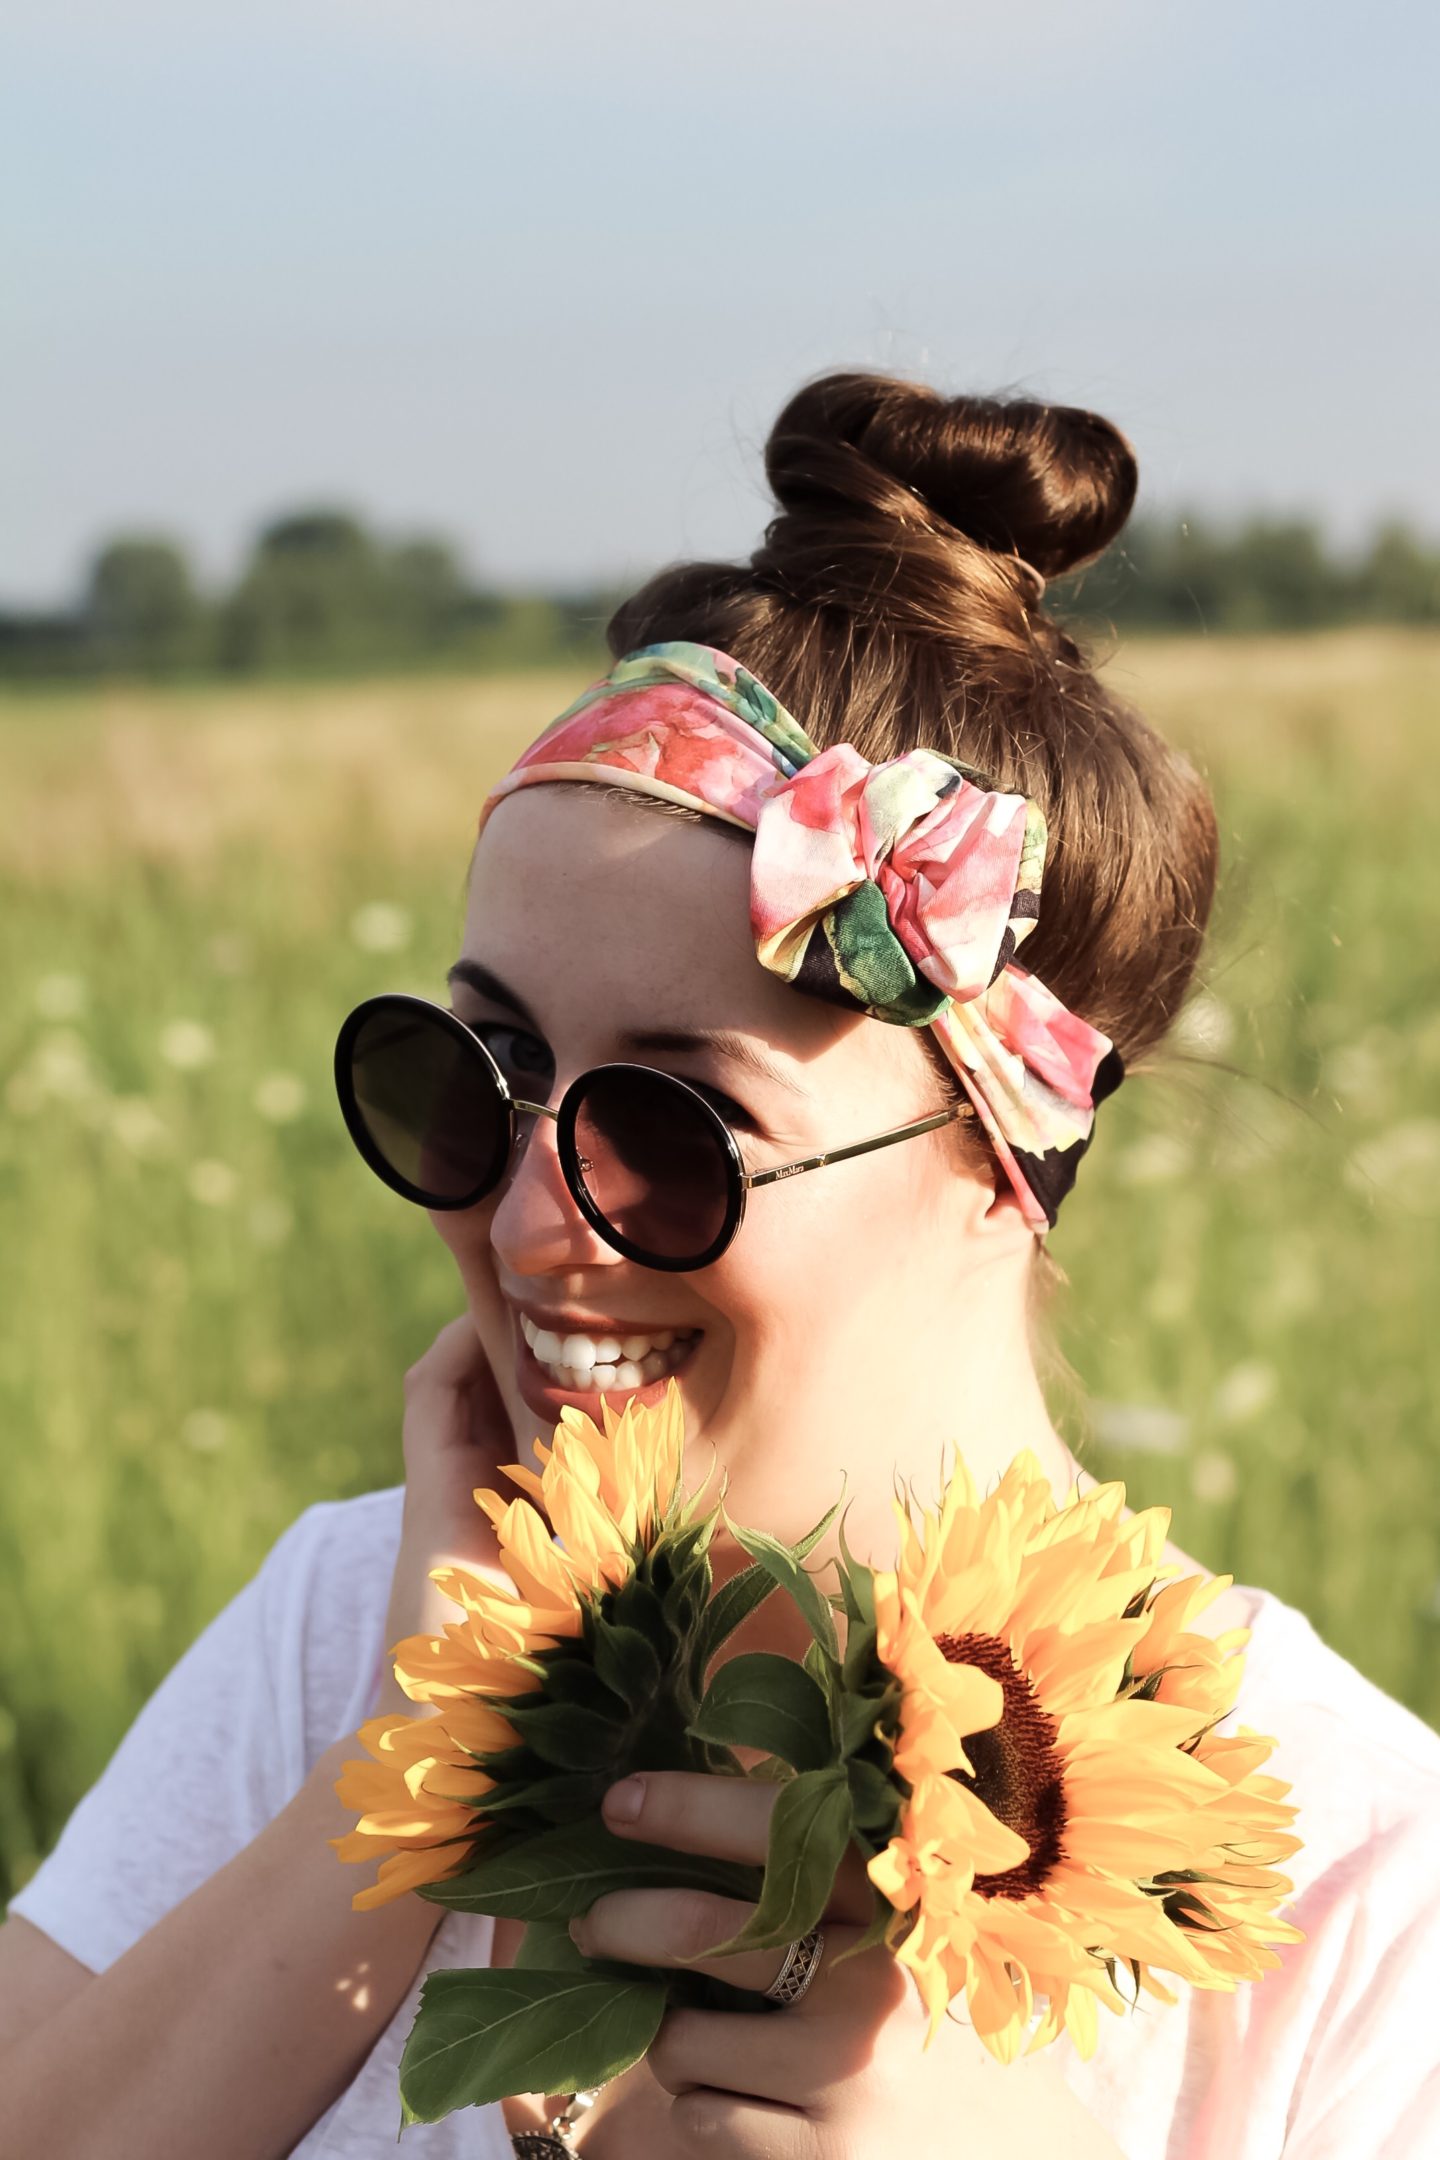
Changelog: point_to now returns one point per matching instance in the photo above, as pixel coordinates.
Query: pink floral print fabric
(902, 889)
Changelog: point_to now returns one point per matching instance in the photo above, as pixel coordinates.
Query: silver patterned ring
(802, 1962)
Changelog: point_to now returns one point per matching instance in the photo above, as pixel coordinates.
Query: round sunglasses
(651, 1165)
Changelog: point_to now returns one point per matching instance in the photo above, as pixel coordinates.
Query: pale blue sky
(541, 274)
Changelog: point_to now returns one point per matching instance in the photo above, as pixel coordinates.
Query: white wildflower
(205, 1430)
(61, 997)
(1147, 1428)
(1154, 1159)
(187, 1045)
(137, 1124)
(271, 1220)
(280, 1097)
(60, 1066)
(212, 1183)
(1213, 1477)
(381, 927)
(229, 953)
(1244, 1391)
(1400, 1165)
(1204, 1024)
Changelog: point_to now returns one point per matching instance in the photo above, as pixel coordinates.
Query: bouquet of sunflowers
(1015, 1726)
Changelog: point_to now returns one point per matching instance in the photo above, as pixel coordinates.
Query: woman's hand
(843, 2071)
(456, 1432)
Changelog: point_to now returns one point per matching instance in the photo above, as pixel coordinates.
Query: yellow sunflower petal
(1084, 1795)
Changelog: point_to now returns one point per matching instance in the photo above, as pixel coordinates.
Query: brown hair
(892, 603)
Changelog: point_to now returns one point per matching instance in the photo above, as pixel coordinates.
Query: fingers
(694, 1811)
(702, 2122)
(677, 1927)
(785, 2057)
(451, 1396)
(726, 1817)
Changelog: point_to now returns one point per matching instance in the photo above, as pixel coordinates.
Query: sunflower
(603, 1491)
(417, 1833)
(1067, 1808)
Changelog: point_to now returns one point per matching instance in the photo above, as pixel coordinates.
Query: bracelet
(554, 2143)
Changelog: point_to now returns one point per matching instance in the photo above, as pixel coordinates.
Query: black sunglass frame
(739, 1181)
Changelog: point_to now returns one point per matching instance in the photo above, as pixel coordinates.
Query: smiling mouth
(607, 1364)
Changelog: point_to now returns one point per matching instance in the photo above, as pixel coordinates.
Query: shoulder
(282, 1670)
(327, 1589)
(1344, 2032)
(1364, 1770)
(1365, 1783)
(335, 1532)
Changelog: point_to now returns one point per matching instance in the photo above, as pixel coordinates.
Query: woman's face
(863, 1308)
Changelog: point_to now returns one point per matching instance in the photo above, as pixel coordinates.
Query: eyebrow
(738, 1048)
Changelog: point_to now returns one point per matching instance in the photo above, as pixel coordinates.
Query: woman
(198, 1981)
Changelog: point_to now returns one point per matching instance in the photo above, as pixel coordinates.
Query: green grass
(209, 1306)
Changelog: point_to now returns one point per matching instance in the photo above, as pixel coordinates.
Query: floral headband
(900, 889)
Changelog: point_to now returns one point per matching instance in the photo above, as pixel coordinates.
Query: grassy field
(209, 1305)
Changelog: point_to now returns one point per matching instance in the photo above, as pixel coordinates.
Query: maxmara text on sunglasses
(650, 1164)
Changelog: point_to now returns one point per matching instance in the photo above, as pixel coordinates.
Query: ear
(1000, 1219)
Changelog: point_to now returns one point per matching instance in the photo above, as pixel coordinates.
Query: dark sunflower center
(1018, 1772)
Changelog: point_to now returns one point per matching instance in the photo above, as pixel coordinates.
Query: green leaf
(686, 1598)
(780, 1562)
(734, 1602)
(563, 1871)
(569, 1737)
(731, 1605)
(804, 1546)
(635, 1605)
(864, 1716)
(480, 2036)
(682, 1549)
(819, 1664)
(876, 1801)
(548, 1946)
(810, 1829)
(883, 1926)
(767, 1702)
(554, 1799)
(626, 1662)
(575, 1680)
(857, 1584)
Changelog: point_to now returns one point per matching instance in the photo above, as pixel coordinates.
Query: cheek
(466, 1235)
(818, 1254)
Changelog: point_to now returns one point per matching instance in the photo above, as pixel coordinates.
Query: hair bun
(1052, 484)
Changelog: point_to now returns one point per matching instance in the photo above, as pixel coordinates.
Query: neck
(1000, 1412)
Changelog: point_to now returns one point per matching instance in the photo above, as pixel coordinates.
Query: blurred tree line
(322, 594)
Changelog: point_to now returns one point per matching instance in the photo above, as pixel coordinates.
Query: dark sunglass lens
(653, 1163)
(428, 1103)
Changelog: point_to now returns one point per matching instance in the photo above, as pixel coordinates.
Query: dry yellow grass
(175, 776)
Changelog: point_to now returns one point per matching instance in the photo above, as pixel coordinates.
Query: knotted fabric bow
(901, 889)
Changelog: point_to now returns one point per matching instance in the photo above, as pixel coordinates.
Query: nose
(535, 1227)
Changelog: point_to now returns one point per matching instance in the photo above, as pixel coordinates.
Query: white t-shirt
(1333, 2055)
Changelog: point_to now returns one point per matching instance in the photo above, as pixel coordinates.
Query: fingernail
(577, 1930)
(624, 1801)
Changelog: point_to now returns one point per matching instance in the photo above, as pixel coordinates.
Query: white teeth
(579, 1351)
(583, 1363)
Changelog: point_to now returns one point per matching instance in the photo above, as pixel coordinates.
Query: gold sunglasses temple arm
(857, 1147)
